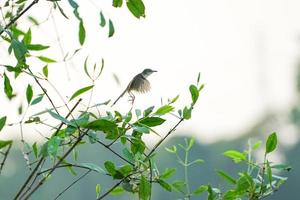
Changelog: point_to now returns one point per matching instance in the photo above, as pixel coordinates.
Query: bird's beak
(154, 71)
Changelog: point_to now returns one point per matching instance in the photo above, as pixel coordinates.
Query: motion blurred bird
(139, 83)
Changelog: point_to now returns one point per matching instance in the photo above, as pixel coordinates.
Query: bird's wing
(140, 84)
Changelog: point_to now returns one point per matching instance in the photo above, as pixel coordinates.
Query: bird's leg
(132, 97)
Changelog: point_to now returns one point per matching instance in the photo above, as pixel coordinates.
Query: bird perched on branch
(139, 83)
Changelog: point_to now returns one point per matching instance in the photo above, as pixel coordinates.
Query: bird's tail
(119, 97)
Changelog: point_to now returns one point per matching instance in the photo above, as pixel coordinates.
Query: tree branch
(164, 138)
(5, 156)
(73, 183)
(42, 181)
(18, 16)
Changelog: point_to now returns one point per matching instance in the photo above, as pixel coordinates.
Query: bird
(139, 83)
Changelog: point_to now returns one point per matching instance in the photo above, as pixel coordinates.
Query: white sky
(246, 50)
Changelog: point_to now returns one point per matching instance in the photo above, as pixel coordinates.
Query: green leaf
(148, 111)
(200, 189)
(35, 149)
(85, 67)
(7, 87)
(164, 110)
(271, 143)
(19, 50)
(136, 7)
(111, 29)
(235, 155)
(33, 20)
(45, 71)
(60, 9)
(165, 185)
(110, 167)
(174, 99)
(117, 3)
(194, 93)
(167, 173)
(173, 150)
(141, 129)
(144, 189)
(191, 142)
(94, 167)
(27, 37)
(46, 59)
(37, 100)
(282, 167)
(98, 190)
(53, 145)
(187, 113)
(102, 125)
(81, 91)
(81, 33)
(58, 117)
(118, 190)
(36, 47)
(226, 177)
(2, 122)
(102, 20)
(178, 185)
(151, 121)
(256, 145)
(125, 170)
(4, 143)
(244, 183)
(29, 94)
(128, 155)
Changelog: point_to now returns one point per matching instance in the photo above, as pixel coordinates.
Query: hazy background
(247, 53)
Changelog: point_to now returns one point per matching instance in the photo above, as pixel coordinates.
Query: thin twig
(73, 183)
(42, 181)
(42, 158)
(45, 92)
(18, 16)
(68, 165)
(5, 157)
(114, 152)
(164, 138)
(113, 187)
(29, 178)
(59, 44)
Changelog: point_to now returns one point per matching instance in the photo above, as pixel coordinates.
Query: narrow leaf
(4, 143)
(7, 87)
(2, 122)
(194, 93)
(111, 29)
(81, 33)
(102, 20)
(36, 47)
(164, 110)
(271, 143)
(45, 71)
(226, 177)
(144, 189)
(151, 121)
(81, 91)
(29, 94)
(46, 59)
(117, 3)
(136, 7)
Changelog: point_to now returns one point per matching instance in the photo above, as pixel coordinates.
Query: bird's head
(147, 72)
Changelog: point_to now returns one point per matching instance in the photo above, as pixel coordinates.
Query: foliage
(138, 172)
(257, 181)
